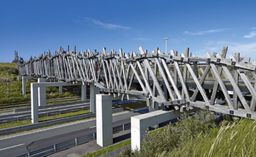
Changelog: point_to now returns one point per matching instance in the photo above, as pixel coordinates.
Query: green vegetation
(10, 90)
(200, 136)
(10, 87)
(233, 139)
(70, 114)
(42, 119)
(108, 149)
(14, 124)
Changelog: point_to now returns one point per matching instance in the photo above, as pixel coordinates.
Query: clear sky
(34, 26)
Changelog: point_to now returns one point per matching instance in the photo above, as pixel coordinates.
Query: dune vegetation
(200, 136)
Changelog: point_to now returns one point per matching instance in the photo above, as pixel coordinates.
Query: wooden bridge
(166, 80)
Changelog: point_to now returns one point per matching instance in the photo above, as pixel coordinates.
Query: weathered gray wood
(184, 87)
(228, 75)
(200, 88)
(138, 78)
(249, 86)
(216, 86)
(174, 86)
(220, 82)
(145, 80)
(165, 79)
(206, 71)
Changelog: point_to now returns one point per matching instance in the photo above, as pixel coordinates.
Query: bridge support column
(34, 103)
(41, 92)
(23, 82)
(60, 89)
(152, 105)
(93, 91)
(140, 123)
(83, 92)
(104, 120)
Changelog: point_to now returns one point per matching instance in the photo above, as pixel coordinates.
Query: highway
(15, 145)
(51, 110)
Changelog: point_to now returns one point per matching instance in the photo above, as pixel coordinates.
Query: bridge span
(166, 80)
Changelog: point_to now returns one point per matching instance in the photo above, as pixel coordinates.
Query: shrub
(168, 138)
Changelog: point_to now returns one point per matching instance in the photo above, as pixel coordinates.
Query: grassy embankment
(200, 136)
(11, 96)
(193, 137)
(10, 90)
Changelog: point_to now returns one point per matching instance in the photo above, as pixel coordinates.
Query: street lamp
(166, 44)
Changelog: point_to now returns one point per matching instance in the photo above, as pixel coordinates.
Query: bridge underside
(170, 80)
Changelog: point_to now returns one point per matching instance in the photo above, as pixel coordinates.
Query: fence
(63, 145)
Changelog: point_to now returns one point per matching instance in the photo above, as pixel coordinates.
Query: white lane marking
(34, 131)
(10, 147)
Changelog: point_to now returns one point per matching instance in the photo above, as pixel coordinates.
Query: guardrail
(57, 109)
(26, 115)
(44, 124)
(63, 145)
(50, 122)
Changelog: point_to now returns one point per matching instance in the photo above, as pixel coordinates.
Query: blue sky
(34, 26)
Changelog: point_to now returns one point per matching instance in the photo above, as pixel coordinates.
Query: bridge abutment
(140, 123)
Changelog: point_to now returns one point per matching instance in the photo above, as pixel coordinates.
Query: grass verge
(108, 149)
(42, 119)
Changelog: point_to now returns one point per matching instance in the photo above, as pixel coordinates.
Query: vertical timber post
(236, 77)
(104, 120)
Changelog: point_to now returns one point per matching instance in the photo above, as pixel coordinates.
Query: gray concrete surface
(16, 144)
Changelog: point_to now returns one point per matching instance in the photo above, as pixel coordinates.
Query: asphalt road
(51, 111)
(15, 145)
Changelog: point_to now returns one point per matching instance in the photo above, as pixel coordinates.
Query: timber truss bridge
(166, 80)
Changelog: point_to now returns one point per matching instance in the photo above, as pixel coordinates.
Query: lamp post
(166, 44)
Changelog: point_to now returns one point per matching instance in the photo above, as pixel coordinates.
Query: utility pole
(166, 44)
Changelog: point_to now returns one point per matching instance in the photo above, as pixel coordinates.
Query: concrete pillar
(23, 82)
(151, 105)
(93, 91)
(104, 128)
(34, 103)
(41, 92)
(83, 92)
(140, 123)
(60, 89)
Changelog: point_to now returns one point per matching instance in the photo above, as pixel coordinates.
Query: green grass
(42, 119)
(14, 124)
(70, 114)
(199, 137)
(108, 149)
(10, 89)
(234, 139)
